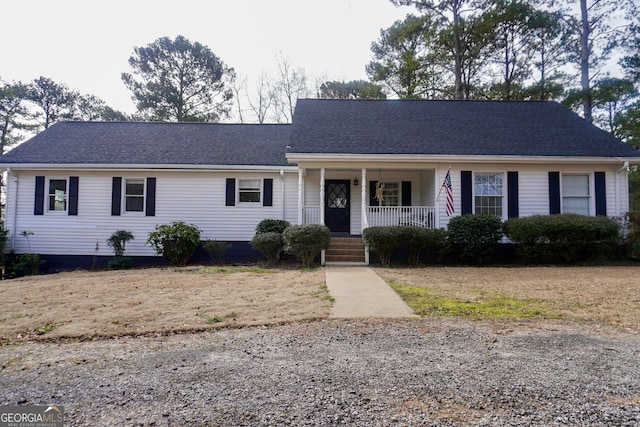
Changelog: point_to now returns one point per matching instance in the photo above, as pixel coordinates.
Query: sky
(86, 44)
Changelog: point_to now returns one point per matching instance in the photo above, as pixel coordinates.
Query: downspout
(15, 209)
(624, 167)
(300, 197)
(282, 204)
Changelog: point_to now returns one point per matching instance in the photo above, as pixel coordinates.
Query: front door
(336, 205)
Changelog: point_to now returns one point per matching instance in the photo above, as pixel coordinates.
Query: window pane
(576, 205)
(249, 184)
(488, 184)
(250, 196)
(58, 195)
(575, 185)
(489, 205)
(134, 187)
(134, 204)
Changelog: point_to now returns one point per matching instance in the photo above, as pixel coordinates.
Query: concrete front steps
(346, 250)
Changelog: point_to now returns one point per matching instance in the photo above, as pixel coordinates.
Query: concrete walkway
(359, 292)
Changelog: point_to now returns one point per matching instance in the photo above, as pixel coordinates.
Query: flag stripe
(449, 190)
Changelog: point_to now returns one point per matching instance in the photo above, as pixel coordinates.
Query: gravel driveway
(358, 373)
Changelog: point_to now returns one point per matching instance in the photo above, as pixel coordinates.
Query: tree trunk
(459, 93)
(584, 63)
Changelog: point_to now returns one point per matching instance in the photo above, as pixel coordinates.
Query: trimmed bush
(271, 226)
(436, 245)
(383, 241)
(270, 244)
(176, 241)
(306, 241)
(216, 249)
(564, 238)
(475, 237)
(414, 239)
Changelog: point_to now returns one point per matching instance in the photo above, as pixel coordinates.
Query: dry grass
(86, 304)
(89, 304)
(603, 294)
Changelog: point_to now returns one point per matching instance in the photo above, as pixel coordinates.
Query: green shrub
(629, 225)
(414, 239)
(216, 249)
(436, 245)
(120, 263)
(118, 241)
(270, 244)
(25, 265)
(306, 241)
(383, 241)
(475, 237)
(176, 241)
(564, 238)
(272, 226)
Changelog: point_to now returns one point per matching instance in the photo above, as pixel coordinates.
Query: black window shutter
(38, 206)
(372, 194)
(116, 195)
(554, 193)
(513, 210)
(601, 193)
(267, 199)
(150, 202)
(73, 195)
(231, 192)
(406, 193)
(466, 192)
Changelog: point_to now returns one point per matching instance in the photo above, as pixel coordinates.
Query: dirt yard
(86, 304)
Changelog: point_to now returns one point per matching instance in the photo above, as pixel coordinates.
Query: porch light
(355, 181)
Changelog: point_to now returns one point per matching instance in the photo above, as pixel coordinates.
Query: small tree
(117, 242)
(306, 241)
(176, 241)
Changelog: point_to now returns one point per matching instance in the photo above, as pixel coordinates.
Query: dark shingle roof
(131, 143)
(466, 128)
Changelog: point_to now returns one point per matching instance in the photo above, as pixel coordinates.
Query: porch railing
(419, 216)
(311, 214)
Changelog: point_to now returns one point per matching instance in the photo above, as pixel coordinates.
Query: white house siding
(533, 187)
(193, 197)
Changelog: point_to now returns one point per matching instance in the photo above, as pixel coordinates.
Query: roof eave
(304, 158)
(145, 167)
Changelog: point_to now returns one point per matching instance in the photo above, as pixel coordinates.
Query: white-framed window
(488, 193)
(576, 193)
(390, 194)
(57, 195)
(134, 194)
(249, 190)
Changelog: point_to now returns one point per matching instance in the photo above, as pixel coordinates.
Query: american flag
(447, 186)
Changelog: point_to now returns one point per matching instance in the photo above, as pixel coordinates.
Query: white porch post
(300, 197)
(363, 192)
(322, 196)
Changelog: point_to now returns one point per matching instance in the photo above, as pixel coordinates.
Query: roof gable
(152, 143)
(464, 128)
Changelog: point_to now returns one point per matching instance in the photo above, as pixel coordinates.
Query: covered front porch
(350, 200)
